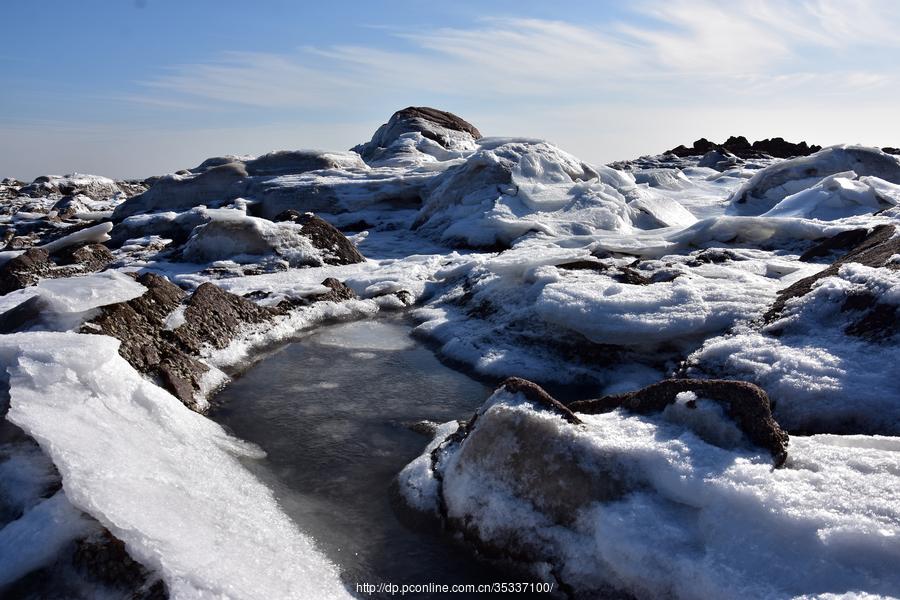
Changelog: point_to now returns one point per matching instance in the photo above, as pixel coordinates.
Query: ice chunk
(835, 197)
(95, 234)
(366, 335)
(165, 480)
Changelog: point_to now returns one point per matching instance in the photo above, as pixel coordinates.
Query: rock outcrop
(739, 146)
(448, 130)
(746, 404)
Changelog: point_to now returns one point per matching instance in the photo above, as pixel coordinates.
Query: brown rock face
(24, 270)
(104, 558)
(537, 395)
(439, 117)
(336, 248)
(212, 317)
(874, 250)
(745, 403)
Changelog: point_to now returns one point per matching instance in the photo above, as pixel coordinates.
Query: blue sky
(130, 89)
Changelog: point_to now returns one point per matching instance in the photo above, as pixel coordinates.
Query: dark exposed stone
(843, 241)
(419, 119)
(891, 150)
(873, 251)
(713, 256)
(877, 322)
(104, 558)
(339, 292)
(24, 270)
(88, 258)
(739, 146)
(287, 215)
(213, 316)
(536, 394)
(745, 403)
(337, 249)
(22, 316)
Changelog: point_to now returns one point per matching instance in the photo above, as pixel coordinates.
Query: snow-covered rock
(93, 186)
(419, 130)
(665, 504)
(771, 185)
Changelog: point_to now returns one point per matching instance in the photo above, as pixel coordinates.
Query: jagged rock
(740, 147)
(24, 270)
(745, 403)
(336, 248)
(87, 258)
(137, 323)
(339, 292)
(843, 241)
(890, 150)
(873, 251)
(213, 316)
(719, 159)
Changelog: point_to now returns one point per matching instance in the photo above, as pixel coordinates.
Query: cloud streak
(673, 46)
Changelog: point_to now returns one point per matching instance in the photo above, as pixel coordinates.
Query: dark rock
(339, 292)
(713, 256)
(873, 251)
(88, 258)
(104, 558)
(23, 315)
(778, 148)
(24, 270)
(878, 322)
(536, 395)
(890, 150)
(287, 215)
(213, 316)
(745, 403)
(843, 241)
(336, 248)
(740, 147)
(137, 322)
(361, 225)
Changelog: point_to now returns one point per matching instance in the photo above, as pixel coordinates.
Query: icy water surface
(333, 412)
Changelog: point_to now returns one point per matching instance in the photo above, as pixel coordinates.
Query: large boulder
(446, 129)
(304, 241)
(295, 162)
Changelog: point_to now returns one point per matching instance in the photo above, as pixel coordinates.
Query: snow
(233, 235)
(774, 183)
(163, 479)
(820, 377)
(650, 507)
(68, 301)
(521, 259)
(95, 235)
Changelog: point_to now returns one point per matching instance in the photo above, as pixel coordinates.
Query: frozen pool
(334, 413)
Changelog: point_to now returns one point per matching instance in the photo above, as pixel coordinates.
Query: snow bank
(647, 506)
(819, 362)
(771, 185)
(232, 235)
(163, 479)
(838, 196)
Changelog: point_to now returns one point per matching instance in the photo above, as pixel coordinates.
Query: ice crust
(163, 479)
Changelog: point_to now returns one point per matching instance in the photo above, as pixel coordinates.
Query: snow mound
(645, 505)
(823, 362)
(771, 185)
(838, 196)
(232, 235)
(164, 480)
(513, 186)
(93, 186)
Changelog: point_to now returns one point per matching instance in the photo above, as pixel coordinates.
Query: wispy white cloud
(674, 44)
